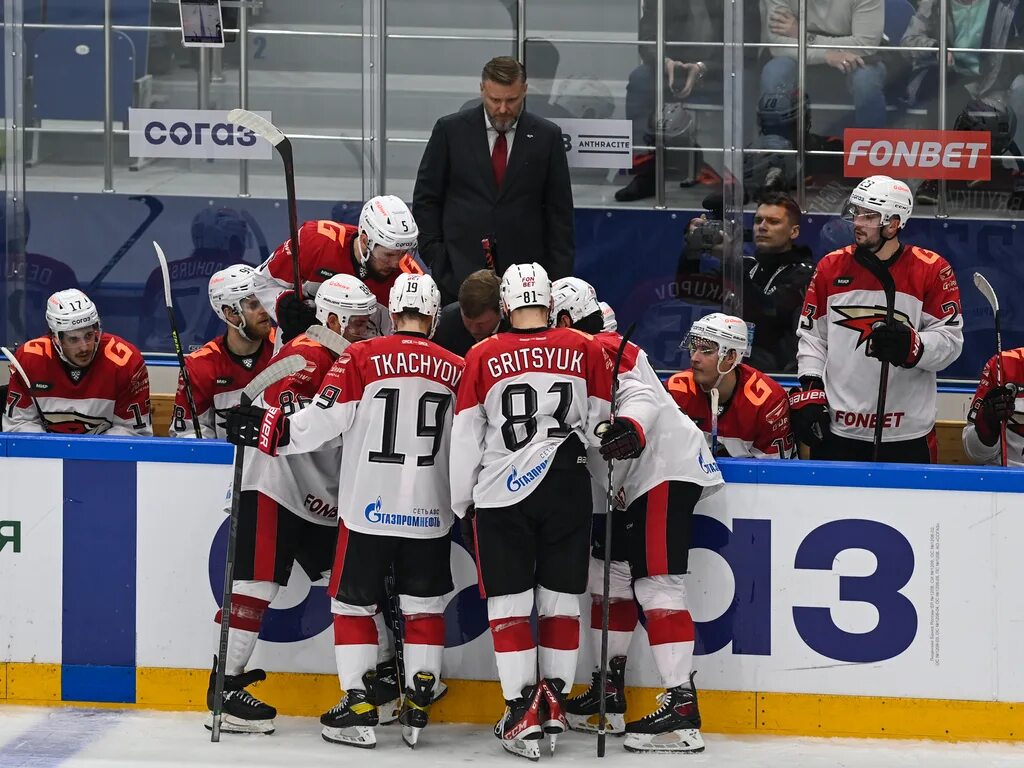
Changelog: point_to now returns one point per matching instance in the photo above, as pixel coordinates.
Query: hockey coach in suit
(497, 172)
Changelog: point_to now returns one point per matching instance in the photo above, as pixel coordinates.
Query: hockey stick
(28, 384)
(715, 394)
(321, 334)
(155, 209)
(186, 383)
(276, 371)
(602, 716)
(882, 274)
(488, 250)
(263, 127)
(393, 617)
(985, 287)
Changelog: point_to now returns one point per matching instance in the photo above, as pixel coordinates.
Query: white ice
(99, 738)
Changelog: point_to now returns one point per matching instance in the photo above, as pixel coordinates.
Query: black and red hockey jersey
(977, 451)
(843, 302)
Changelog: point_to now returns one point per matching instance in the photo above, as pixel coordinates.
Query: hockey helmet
(610, 323)
(220, 229)
(993, 115)
(387, 222)
(575, 296)
(228, 288)
(525, 285)
(418, 293)
(886, 196)
(67, 311)
(727, 332)
(345, 296)
(778, 112)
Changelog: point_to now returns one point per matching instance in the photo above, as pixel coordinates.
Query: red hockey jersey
(522, 395)
(754, 424)
(977, 451)
(306, 484)
(218, 377)
(111, 396)
(392, 398)
(842, 303)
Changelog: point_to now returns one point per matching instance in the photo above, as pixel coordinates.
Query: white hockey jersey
(307, 484)
(523, 394)
(977, 451)
(676, 448)
(843, 302)
(392, 399)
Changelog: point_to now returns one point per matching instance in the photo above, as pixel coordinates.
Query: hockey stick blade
(165, 273)
(258, 125)
(17, 366)
(286, 366)
(985, 287)
(323, 335)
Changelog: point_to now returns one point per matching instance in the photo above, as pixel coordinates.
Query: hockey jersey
(754, 424)
(306, 484)
(977, 451)
(523, 394)
(843, 302)
(392, 398)
(218, 377)
(325, 249)
(110, 396)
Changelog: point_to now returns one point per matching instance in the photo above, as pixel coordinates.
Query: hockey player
(993, 406)
(657, 492)
(220, 369)
(376, 251)
(843, 335)
(83, 381)
(530, 400)
(751, 418)
(288, 509)
(391, 399)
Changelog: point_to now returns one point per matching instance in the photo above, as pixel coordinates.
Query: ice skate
(352, 720)
(241, 711)
(582, 711)
(416, 707)
(553, 710)
(519, 728)
(385, 693)
(673, 727)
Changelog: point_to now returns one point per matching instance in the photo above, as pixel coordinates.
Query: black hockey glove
(808, 409)
(895, 343)
(620, 439)
(996, 408)
(255, 427)
(468, 531)
(294, 316)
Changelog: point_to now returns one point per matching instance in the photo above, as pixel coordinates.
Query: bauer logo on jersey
(863, 319)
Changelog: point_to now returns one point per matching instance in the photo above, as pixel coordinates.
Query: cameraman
(776, 275)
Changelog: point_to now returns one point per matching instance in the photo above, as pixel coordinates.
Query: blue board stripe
(87, 683)
(99, 548)
(98, 448)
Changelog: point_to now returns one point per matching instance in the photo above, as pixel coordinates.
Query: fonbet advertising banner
(922, 154)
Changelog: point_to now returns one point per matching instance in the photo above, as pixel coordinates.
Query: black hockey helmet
(777, 112)
(993, 114)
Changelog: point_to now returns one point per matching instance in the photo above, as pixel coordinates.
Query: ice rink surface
(33, 737)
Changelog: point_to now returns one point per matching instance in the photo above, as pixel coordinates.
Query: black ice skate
(385, 693)
(582, 711)
(552, 712)
(241, 711)
(519, 728)
(416, 707)
(352, 720)
(673, 727)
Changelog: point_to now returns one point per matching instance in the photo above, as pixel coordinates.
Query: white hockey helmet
(727, 332)
(525, 285)
(416, 292)
(345, 296)
(388, 222)
(228, 288)
(610, 323)
(575, 296)
(70, 310)
(886, 196)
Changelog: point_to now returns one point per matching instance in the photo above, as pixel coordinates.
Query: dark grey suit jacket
(457, 202)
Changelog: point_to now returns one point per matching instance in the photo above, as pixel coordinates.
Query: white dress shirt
(492, 135)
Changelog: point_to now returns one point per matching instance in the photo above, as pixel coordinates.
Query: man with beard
(376, 251)
(497, 173)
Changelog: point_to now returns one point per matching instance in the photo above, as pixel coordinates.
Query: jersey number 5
(430, 415)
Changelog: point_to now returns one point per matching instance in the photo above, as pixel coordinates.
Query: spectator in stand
(474, 317)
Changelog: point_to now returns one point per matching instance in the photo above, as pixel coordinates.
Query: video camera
(709, 234)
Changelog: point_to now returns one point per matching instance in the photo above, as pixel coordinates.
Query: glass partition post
(521, 30)
(14, 164)
(940, 208)
(801, 120)
(659, 109)
(108, 98)
(243, 87)
(374, 34)
(732, 158)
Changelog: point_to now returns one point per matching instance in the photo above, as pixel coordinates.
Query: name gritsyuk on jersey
(536, 359)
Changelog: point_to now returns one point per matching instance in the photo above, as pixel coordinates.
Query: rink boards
(829, 600)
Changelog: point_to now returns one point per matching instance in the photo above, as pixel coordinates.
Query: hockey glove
(468, 531)
(996, 408)
(294, 316)
(255, 427)
(895, 343)
(808, 409)
(620, 439)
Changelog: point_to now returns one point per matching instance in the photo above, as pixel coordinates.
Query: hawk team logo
(863, 319)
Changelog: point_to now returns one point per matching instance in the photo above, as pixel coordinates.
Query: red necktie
(499, 158)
